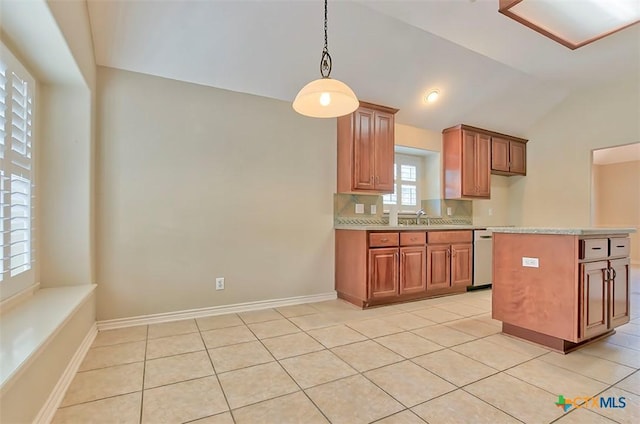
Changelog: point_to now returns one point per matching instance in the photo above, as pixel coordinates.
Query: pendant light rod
(325, 60)
(325, 97)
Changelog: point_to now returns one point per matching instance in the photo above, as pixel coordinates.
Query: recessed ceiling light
(573, 23)
(432, 96)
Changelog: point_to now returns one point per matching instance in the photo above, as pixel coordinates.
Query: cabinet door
(499, 154)
(461, 264)
(469, 187)
(413, 269)
(438, 267)
(594, 311)
(383, 273)
(363, 149)
(619, 295)
(483, 165)
(384, 152)
(518, 158)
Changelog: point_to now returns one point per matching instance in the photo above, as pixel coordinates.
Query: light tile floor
(437, 361)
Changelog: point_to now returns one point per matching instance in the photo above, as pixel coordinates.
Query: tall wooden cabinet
(467, 156)
(472, 154)
(366, 150)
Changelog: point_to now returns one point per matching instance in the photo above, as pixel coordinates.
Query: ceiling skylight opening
(573, 23)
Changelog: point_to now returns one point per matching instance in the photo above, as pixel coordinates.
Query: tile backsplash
(344, 209)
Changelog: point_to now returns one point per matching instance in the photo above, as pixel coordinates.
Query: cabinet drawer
(383, 239)
(619, 246)
(449, 237)
(594, 248)
(413, 238)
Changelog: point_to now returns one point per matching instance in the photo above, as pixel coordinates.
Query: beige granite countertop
(409, 227)
(589, 231)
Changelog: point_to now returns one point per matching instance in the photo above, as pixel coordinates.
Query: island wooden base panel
(553, 343)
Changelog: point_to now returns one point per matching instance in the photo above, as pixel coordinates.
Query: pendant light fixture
(325, 97)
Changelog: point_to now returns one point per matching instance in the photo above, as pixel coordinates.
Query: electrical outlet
(490, 212)
(449, 211)
(359, 207)
(530, 262)
(374, 209)
(220, 283)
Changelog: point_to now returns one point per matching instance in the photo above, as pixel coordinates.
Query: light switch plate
(374, 209)
(530, 262)
(449, 211)
(359, 207)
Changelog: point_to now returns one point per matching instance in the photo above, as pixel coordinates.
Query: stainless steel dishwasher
(482, 258)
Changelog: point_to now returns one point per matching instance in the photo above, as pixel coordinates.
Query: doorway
(615, 193)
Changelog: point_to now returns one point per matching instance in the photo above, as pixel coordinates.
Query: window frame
(411, 160)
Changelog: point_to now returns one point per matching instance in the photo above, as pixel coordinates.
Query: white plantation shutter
(16, 172)
(407, 171)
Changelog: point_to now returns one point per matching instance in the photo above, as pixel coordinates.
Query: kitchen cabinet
(366, 150)
(604, 285)
(380, 267)
(561, 290)
(466, 163)
(472, 154)
(508, 156)
(449, 260)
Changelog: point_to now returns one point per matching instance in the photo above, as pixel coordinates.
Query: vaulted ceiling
(491, 71)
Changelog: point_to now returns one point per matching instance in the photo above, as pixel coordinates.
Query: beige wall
(556, 190)
(64, 186)
(196, 183)
(616, 191)
(494, 211)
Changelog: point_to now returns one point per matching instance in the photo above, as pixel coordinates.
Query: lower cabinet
(604, 296)
(374, 268)
(449, 260)
(383, 273)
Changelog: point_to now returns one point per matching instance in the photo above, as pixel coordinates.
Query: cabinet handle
(607, 275)
(384, 240)
(596, 248)
(620, 246)
(613, 272)
(448, 253)
(377, 179)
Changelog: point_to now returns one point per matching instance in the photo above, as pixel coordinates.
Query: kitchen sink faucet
(420, 213)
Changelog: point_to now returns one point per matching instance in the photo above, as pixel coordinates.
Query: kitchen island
(561, 287)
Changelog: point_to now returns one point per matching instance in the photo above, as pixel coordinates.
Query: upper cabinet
(472, 154)
(366, 150)
(508, 156)
(467, 156)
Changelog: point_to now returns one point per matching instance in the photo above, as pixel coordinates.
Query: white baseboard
(214, 310)
(55, 398)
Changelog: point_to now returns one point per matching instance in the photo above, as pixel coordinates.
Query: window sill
(29, 326)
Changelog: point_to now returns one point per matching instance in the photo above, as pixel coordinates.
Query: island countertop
(586, 231)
